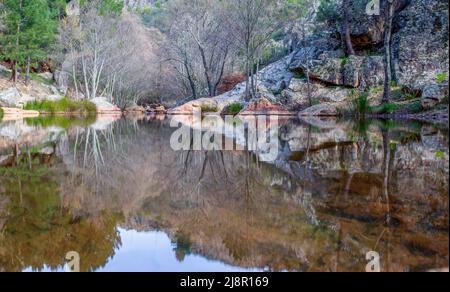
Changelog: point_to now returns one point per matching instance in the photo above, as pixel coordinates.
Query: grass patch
(441, 77)
(315, 102)
(209, 109)
(1, 114)
(411, 95)
(387, 108)
(377, 89)
(415, 107)
(64, 105)
(361, 104)
(235, 108)
(440, 154)
(344, 61)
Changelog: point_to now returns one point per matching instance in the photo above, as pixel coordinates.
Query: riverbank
(321, 78)
(40, 96)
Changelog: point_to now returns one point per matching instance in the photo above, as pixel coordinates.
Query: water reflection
(114, 191)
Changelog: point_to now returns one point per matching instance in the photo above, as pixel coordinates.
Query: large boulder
(421, 42)
(219, 102)
(328, 70)
(363, 72)
(196, 105)
(315, 46)
(352, 69)
(104, 106)
(20, 94)
(296, 96)
(322, 110)
(433, 94)
(62, 81)
(276, 76)
(366, 30)
(355, 71)
(372, 72)
(427, 85)
(10, 97)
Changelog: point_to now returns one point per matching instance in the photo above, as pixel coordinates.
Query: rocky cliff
(420, 45)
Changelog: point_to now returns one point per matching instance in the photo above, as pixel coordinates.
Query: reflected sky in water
(155, 252)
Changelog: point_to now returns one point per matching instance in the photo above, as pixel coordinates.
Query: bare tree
(252, 24)
(389, 11)
(346, 32)
(199, 43)
(112, 56)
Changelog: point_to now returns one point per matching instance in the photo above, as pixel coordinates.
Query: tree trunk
(256, 78)
(389, 15)
(247, 81)
(85, 76)
(14, 71)
(247, 72)
(346, 29)
(386, 172)
(308, 78)
(206, 71)
(191, 81)
(308, 81)
(222, 71)
(28, 70)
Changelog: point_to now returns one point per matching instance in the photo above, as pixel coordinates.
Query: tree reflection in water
(335, 192)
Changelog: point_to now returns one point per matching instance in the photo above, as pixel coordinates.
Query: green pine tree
(29, 32)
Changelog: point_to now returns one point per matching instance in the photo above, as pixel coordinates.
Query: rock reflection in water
(335, 192)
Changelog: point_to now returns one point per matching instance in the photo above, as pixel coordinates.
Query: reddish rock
(229, 82)
(265, 107)
(196, 105)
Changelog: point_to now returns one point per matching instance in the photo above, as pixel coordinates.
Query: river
(117, 193)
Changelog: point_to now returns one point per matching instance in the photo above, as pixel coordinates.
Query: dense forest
(170, 50)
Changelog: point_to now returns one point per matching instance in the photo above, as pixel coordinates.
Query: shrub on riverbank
(361, 104)
(387, 108)
(234, 108)
(1, 114)
(209, 109)
(64, 105)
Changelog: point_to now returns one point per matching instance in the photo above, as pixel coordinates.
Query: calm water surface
(114, 191)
